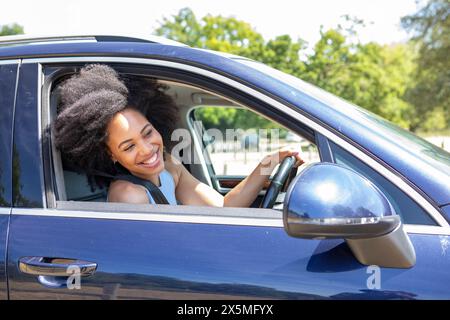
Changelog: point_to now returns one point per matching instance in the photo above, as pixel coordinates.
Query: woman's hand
(248, 189)
(270, 161)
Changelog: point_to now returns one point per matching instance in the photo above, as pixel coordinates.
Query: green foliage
(211, 32)
(220, 118)
(236, 37)
(431, 93)
(381, 79)
(372, 76)
(437, 121)
(227, 34)
(283, 54)
(232, 118)
(12, 29)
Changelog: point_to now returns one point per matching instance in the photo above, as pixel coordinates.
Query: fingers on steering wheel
(298, 160)
(298, 163)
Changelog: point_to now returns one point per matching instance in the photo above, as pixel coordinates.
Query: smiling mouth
(152, 161)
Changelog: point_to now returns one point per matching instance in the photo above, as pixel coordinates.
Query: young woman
(108, 126)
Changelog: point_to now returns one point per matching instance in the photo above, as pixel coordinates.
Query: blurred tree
(183, 27)
(398, 64)
(232, 118)
(211, 32)
(370, 75)
(11, 29)
(283, 54)
(228, 34)
(219, 118)
(431, 92)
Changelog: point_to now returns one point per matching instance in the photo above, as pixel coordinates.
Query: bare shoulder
(174, 166)
(125, 191)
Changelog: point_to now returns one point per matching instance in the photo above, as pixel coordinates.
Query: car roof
(25, 46)
(131, 45)
(26, 39)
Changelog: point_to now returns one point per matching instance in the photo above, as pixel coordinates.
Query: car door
(160, 253)
(8, 78)
(91, 250)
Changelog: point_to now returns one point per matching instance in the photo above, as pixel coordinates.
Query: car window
(253, 137)
(236, 139)
(409, 211)
(7, 92)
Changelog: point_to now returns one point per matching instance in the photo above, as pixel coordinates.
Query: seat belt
(155, 192)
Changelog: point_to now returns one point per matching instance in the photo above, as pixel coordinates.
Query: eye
(129, 148)
(148, 133)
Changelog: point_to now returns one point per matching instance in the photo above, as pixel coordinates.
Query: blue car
(366, 218)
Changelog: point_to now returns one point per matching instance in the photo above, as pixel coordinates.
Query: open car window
(70, 185)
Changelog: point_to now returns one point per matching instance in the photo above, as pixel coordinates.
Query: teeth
(152, 159)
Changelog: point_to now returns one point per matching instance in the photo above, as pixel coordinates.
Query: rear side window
(8, 78)
(409, 211)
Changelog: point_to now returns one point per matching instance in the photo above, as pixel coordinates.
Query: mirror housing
(328, 201)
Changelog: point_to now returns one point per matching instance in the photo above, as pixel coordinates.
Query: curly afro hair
(88, 102)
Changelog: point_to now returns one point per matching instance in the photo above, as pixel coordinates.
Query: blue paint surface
(235, 261)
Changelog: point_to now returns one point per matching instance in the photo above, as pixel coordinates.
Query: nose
(146, 149)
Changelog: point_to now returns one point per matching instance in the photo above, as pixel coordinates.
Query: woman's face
(135, 144)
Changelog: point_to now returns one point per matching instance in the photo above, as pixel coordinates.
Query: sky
(298, 18)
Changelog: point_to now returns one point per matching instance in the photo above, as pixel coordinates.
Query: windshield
(418, 147)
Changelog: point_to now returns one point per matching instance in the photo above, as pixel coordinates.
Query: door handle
(56, 267)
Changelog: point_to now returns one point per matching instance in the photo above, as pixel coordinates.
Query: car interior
(70, 185)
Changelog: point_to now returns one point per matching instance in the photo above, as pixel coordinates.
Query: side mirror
(330, 201)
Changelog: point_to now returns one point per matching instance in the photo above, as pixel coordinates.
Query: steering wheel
(278, 182)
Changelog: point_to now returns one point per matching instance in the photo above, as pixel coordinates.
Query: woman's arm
(190, 191)
(248, 189)
(125, 191)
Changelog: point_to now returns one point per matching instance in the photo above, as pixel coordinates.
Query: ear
(113, 158)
